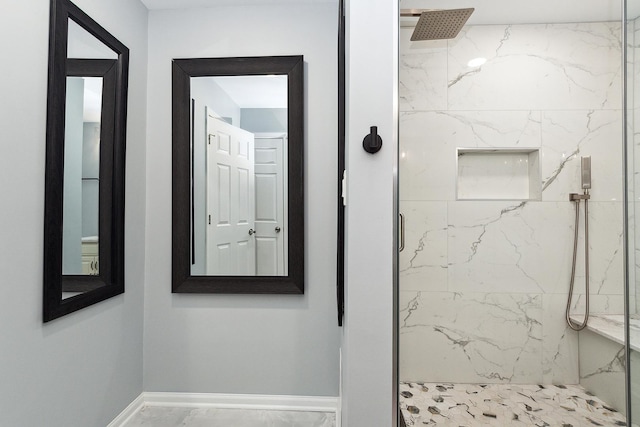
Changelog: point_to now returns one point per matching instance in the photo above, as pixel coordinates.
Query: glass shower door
(632, 140)
(492, 128)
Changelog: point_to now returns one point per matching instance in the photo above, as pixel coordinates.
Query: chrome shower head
(438, 24)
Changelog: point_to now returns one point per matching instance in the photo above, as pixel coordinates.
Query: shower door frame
(625, 219)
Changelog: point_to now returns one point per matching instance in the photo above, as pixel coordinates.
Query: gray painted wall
(264, 119)
(268, 344)
(209, 93)
(82, 369)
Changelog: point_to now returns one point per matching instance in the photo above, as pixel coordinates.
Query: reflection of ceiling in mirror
(82, 45)
(255, 91)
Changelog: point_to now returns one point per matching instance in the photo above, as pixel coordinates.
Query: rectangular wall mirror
(84, 188)
(238, 209)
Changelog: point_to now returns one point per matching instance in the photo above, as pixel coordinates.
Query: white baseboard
(242, 401)
(129, 411)
(339, 402)
(227, 401)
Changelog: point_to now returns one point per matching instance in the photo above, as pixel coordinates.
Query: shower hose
(576, 199)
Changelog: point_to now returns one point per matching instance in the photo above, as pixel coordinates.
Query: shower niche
(498, 174)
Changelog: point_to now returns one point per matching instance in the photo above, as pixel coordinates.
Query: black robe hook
(372, 143)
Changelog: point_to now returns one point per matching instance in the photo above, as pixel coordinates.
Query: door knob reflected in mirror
(278, 229)
(251, 231)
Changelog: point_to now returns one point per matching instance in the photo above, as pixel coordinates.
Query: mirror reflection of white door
(270, 206)
(230, 199)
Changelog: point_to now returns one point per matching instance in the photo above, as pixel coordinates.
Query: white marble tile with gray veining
(580, 69)
(602, 362)
(608, 325)
(501, 246)
(633, 41)
(633, 249)
(611, 326)
(429, 141)
(470, 337)
(569, 135)
(491, 129)
(606, 250)
(423, 74)
(598, 304)
(559, 343)
(423, 261)
(427, 157)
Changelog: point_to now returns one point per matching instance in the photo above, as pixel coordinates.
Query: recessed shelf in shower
(498, 174)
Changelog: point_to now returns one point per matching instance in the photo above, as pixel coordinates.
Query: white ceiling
(527, 11)
(190, 4)
(487, 11)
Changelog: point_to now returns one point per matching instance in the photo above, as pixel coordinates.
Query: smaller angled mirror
(84, 188)
(90, 84)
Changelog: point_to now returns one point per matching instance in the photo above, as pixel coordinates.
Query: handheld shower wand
(585, 175)
(585, 172)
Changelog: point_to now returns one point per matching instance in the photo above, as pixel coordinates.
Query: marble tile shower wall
(484, 283)
(633, 128)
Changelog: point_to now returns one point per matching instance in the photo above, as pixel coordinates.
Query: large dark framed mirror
(238, 182)
(84, 169)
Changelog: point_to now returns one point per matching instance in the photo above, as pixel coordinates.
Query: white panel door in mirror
(239, 137)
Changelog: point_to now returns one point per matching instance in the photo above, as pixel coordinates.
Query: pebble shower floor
(471, 405)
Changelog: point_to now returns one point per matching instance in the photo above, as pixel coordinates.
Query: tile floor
(504, 405)
(212, 417)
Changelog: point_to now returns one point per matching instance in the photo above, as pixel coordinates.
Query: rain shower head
(438, 24)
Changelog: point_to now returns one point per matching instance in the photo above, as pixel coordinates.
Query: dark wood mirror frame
(110, 281)
(183, 70)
